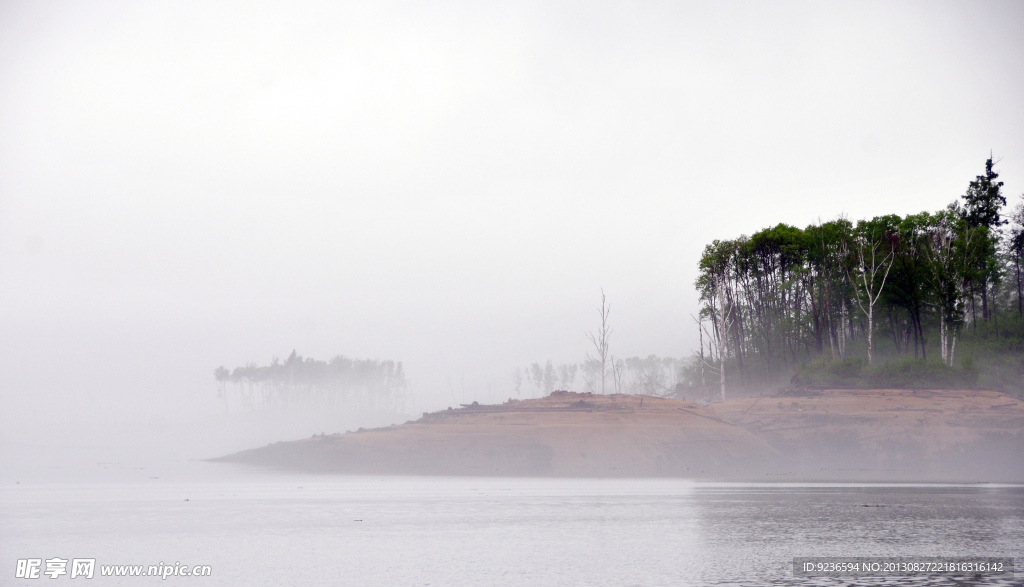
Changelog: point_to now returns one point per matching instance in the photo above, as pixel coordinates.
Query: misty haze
(322, 293)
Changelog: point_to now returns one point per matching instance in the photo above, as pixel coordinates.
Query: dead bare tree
(600, 341)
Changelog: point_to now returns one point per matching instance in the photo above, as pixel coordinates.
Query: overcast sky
(190, 184)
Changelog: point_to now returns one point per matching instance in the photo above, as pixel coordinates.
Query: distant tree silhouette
(342, 382)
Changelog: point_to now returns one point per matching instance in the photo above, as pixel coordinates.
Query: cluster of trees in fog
(652, 375)
(785, 295)
(340, 383)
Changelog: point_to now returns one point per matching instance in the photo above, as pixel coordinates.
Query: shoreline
(843, 436)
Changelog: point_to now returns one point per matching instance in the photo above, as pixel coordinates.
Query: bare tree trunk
(942, 338)
(984, 298)
(618, 374)
(868, 277)
(974, 311)
(723, 349)
(842, 333)
(703, 381)
(723, 330)
(1020, 304)
(871, 324)
(601, 338)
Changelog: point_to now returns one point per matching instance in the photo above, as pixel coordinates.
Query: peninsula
(809, 435)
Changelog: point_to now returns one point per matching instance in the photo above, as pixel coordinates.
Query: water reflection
(259, 528)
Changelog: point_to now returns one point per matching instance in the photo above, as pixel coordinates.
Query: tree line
(651, 375)
(785, 295)
(342, 382)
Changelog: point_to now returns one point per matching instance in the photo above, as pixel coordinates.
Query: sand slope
(889, 434)
(830, 435)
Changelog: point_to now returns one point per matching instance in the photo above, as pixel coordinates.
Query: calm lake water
(265, 528)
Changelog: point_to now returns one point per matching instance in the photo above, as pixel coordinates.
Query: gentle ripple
(264, 528)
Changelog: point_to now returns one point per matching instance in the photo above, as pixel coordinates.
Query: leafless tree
(600, 341)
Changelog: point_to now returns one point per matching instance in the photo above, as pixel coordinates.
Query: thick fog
(446, 184)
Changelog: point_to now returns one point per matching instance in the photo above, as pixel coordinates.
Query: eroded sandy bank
(841, 435)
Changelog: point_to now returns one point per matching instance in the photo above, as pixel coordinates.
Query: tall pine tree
(982, 204)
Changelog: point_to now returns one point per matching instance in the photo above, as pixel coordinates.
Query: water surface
(264, 528)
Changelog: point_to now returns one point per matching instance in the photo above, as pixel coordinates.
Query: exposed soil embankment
(889, 434)
(829, 435)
